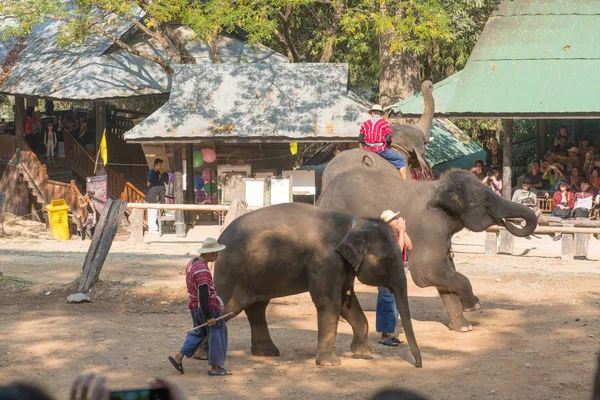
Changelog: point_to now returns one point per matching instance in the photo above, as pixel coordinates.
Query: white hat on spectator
(210, 245)
(388, 215)
(376, 107)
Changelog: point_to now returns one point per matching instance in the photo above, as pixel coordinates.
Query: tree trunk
(333, 31)
(399, 70)
(101, 243)
(214, 49)
(237, 208)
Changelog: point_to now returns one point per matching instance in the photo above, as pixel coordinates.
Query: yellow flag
(104, 149)
(294, 148)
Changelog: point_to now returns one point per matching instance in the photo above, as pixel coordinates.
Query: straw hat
(210, 245)
(376, 107)
(388, 215)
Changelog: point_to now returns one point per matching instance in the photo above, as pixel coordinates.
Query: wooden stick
(552, 229)
(216, 319)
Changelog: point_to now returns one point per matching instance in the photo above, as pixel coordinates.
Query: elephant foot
(472, 307)
(265, 350)
(361, 349)
(460, 326)
(328, 360)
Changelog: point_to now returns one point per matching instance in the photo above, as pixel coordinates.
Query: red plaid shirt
(557, 199)
(375, 134)
(196, 274)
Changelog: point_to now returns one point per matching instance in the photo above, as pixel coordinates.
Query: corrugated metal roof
(89, 71)
(267, 101)
(535, 58)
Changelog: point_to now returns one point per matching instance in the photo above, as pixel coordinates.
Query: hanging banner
(97, 184)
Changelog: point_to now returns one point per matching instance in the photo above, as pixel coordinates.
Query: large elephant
(288, 249)
(364, 186)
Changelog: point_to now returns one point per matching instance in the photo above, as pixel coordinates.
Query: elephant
(287, 249)
(363, 185)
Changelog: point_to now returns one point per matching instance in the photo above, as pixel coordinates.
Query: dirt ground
(536, 336)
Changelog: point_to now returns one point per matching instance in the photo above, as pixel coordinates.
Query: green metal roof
(451, 148)
(534, 59)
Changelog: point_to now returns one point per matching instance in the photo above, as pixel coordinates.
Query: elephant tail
(402, 304)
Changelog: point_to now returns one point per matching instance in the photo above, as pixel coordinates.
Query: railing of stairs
(37, 172)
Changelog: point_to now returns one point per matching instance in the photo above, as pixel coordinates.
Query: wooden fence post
(491, 243)
(136, 224)
(507, 242)
(101, 243)
(582, 244)
(237, 208)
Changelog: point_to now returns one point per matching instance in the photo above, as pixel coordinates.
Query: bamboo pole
(552, 229)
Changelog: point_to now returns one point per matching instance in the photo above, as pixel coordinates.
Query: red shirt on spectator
(29, 125)
(375, 134)
(196, 274)
(557, 199)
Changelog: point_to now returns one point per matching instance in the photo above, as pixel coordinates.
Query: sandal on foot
(178, 366)
(396, 340)
(221, 372)
(389, 342)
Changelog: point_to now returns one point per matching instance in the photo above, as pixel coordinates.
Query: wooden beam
(185, 207)
(19, 124)
(551, 229)
(507, 127)
(179, 197)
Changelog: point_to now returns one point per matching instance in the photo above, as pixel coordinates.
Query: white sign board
(280, 191)
(303, 182)
(255, 192)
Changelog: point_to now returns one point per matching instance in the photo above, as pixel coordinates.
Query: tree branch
(333, 31)
(159, 60)
(284, 34)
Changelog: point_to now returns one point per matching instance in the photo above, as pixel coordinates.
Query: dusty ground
(536, 336)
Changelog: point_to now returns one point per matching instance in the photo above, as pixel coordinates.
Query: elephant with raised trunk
(362, 185)
(288, 249)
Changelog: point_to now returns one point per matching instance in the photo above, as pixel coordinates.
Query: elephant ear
(448, 199)
(353, 248)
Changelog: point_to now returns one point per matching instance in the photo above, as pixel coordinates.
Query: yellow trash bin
(58, 215)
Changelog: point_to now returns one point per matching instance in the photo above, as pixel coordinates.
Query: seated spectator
(493, 158)
(594, 179)
(552, 176)
(572, 159)
(535, 177)
(562, 203)
(526, 196)
(493, 181)
(563, 133)
(575, 179)
(477, 170)
(584, 145)
(560, 153)
(584, 200)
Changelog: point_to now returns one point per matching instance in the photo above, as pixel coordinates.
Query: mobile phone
(140, 394)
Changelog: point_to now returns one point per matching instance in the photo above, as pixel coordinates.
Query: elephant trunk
(401, 295)
(429, 109)
(502, 208)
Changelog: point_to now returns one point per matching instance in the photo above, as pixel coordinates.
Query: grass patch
(13, 281)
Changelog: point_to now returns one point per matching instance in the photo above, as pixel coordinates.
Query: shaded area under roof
(264, 102)
(100, 70)
(534, 59)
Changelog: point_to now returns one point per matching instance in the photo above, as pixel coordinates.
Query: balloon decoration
(197, 159)
(198, 183)
(209, 175)
(201, 196)
(210, 188)
(209, 155)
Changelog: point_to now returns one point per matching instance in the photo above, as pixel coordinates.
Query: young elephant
(288, 249)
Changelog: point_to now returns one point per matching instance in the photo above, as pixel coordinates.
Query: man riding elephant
(376, 136)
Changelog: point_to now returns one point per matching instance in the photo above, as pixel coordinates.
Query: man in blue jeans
(376, 136)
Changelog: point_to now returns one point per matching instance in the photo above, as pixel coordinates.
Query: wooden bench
(576, 235)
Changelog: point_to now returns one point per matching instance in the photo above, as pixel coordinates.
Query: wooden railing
(69, 192)
(8, 147)
(35, 169)
(80, 158)
(131, 194)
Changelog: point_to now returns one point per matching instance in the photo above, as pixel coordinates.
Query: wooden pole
(185, 207)
(237, 209)
(19, 124)
(101, 243)
(551, 229)
(190, 197)
(179, 198)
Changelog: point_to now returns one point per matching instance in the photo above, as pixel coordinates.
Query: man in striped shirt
(376, 136)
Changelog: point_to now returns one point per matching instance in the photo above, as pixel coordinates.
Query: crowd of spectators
(568, 177)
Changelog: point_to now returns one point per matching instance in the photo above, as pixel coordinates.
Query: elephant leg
(360, 327)
(262, 345)
(329, 310)
(453, 306)
(455, 282)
